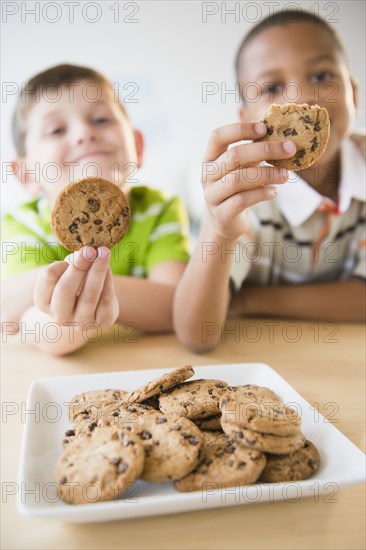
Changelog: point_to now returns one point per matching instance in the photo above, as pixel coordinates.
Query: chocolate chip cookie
(225, 464)
(307, 126)
(195, 399)
(99, 467)
(160, 384)
(268, 443)
(90, 211)
(173, 446)
(260, 414)
(83, 403)
(301, 464)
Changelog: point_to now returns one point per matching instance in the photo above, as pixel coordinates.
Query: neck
(324, 178)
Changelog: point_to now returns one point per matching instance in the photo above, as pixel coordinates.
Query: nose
(84, 133)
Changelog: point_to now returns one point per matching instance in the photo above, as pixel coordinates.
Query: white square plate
(342, 463)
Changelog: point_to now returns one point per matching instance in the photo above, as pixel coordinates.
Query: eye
(101, 120)
(56, 131)
(323, 76)
(273, 89)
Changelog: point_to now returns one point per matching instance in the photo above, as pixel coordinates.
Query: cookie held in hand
(91, 211)
(307, 126)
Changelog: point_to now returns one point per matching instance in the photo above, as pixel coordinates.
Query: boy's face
(299, 63)
(74, 137)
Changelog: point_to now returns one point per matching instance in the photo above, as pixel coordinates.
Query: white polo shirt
(302, 237)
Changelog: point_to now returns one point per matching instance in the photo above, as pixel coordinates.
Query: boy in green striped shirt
(85, 131)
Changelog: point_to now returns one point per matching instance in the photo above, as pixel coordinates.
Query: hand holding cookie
(232, 179)
(79, 289)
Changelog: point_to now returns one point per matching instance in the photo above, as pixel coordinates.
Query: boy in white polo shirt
(303, 253)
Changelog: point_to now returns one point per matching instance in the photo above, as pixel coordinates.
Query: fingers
(93, 287)
(66, 291)
(242, 180)
(46, 283)
(234, 206)
(250, 153)
(224, 136)
(108, 308)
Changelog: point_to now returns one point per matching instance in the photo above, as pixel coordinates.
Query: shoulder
(141, 198)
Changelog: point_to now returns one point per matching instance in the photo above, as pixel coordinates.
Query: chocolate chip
(122, 468)
(92, 426)
(300, 153)
(297, 162)
(161, 387)
(230, 449)
(125, 211)
(288, 132)
(239, 435)
(73, 228)
(86, 417)
(317, 126)
(161, 420)
(210, 391)
(115, 414)
(220, 385)
(132, 409)
(63, 480)
(207, 462)
(219, 454)
(65, 442)
(307, 119)
(85, 218)
(145, 435)
(78, 238)
(241, 465)
(69, 433)
(249, 441)
(230, 463)
(97, 222)
(94, 205)
(313, 463)
(314, 144)
(270, 130)
(115, 461)
(193, 440)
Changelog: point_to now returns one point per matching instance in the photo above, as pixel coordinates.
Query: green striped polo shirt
(158, 233)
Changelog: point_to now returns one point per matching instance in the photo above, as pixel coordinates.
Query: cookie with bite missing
(307, 126)
(91, 211)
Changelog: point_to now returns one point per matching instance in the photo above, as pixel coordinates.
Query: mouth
(92, 154)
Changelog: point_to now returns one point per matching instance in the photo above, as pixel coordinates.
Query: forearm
(40, 329)
(17, 295)
(203, 294)
(146, 303)
(338, 301)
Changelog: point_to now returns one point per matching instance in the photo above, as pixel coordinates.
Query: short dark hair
(57, 76)
(286, 17)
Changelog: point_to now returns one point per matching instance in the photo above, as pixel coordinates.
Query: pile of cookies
(193, 433)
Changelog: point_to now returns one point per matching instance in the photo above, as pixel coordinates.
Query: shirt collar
(297, 200)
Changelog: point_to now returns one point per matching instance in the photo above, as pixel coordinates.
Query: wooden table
(326, 364)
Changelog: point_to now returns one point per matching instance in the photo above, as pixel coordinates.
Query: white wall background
(165, 48)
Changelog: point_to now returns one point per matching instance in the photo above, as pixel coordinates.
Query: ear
(139, 142)
(356, 92)
(26, 178)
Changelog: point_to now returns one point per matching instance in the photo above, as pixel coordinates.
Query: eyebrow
(318, 59)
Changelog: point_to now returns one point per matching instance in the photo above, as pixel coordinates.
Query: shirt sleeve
(169, 239)
(22, 249)
(359, 270)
